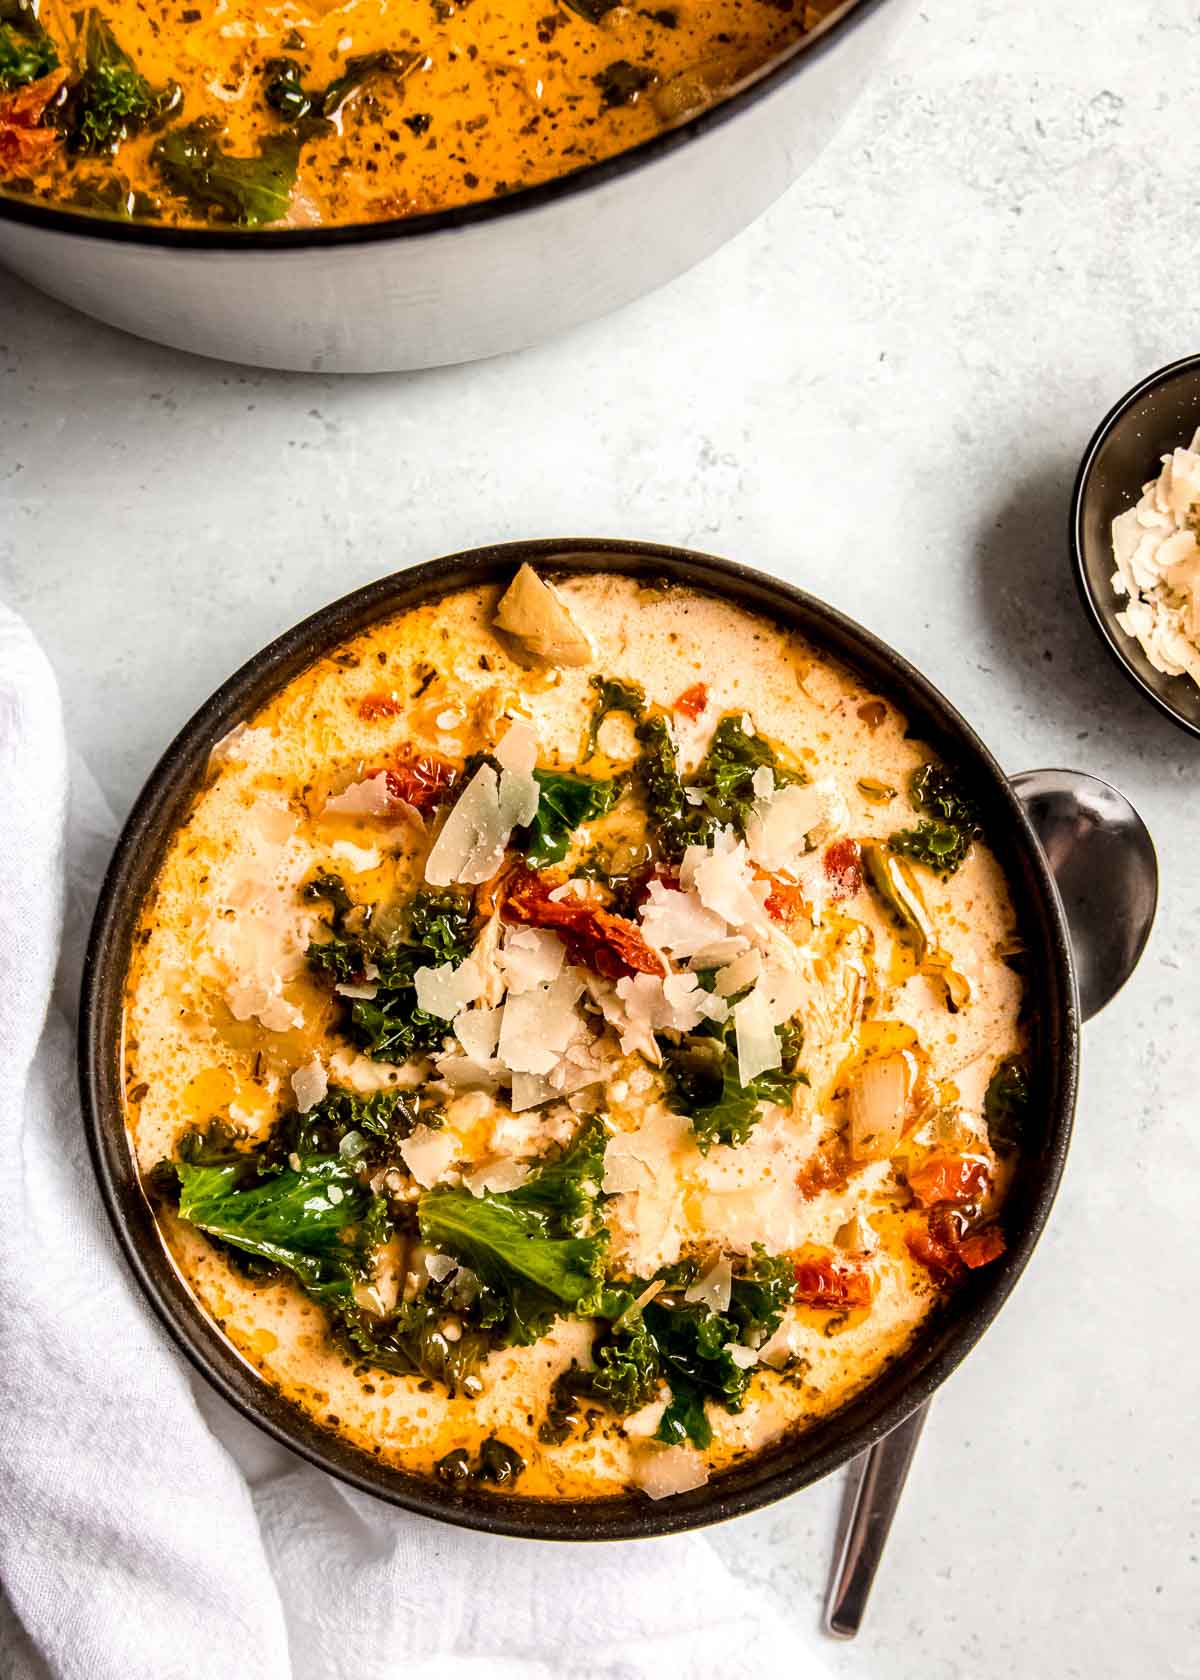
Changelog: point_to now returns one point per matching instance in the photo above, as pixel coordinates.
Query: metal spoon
(1102, 859)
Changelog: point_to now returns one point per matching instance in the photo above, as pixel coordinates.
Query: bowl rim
(1099, 617)
(796, 1461)
(453, 219)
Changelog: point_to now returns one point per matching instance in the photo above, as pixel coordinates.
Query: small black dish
(1158, 415)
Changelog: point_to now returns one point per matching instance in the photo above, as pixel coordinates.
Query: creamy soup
(574, 1038)
(274, 112)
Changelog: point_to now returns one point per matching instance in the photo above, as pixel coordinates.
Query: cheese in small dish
(1158, 566)
(574, 1040)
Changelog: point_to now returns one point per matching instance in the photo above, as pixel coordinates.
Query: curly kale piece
(538, 1251)
(112, 100)
(613, 695)
(248, 192)
(683, 1342)
(390, 1027)
(942, 840)
(1006, 1105)
(702, 1070)
(27, 52)
(721, 792)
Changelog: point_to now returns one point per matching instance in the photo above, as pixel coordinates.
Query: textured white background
(880, 391)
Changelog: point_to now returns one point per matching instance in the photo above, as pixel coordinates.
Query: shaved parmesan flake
(518, 749)
(310, 1084)
(264, 1004)
(537, 1025)
(346, 989)
(727, 885)
(1158, 566)
(530, 957)
(794, 820)
(739, 974)
(714, 1287)
(497, 1176)
(763, 782)
(478, 1031)
(663, 1471)
(757, 1041)
(439, 1266)
(678, 922)
(531, 1090)
(446, 991)
(677, 1003)
(471, 845)
(465, 1073)
(743, 1357)
(369, 798)
(428, 1154)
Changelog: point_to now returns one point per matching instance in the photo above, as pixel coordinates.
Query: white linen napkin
(147, 1531)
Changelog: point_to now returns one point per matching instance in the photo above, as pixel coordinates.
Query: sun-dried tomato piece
(941, 1246)
(785, 901)
(950, 1178)
(420, 779)
(843, 868)
(982, 1246)
(826, 1284)
(595, 938)
(375, 706)
(692, 701)
(828, 1169)
(24, 144)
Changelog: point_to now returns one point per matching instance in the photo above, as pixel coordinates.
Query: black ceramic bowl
(1159, 415)
(791, 1464)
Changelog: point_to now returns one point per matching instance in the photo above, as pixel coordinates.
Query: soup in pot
(264, 113)
(574, 1040)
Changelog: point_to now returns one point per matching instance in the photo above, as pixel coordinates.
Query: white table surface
(880, 391)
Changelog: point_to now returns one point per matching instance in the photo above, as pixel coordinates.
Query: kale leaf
(112, 100)
(950, 823)
(702, 1069)
(246, 191)
(390, 1027)
(564, 802)
(26, 52)
(310, 112)
(1006, 1105)
(722, 791)
(538, 1251)
(685, 1343)
(612, 695)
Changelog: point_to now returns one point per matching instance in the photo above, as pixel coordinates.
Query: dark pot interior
(791, 1464)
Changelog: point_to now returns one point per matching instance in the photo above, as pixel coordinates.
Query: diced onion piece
(757, 1041)
(310, 1084)
(877, 1105)
(714, 1287)
(536, 616)
(664, 1471)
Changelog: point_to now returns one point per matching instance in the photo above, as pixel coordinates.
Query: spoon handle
(872, 1495)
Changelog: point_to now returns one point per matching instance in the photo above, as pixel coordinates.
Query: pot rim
(799, 1459)
(815, 44)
